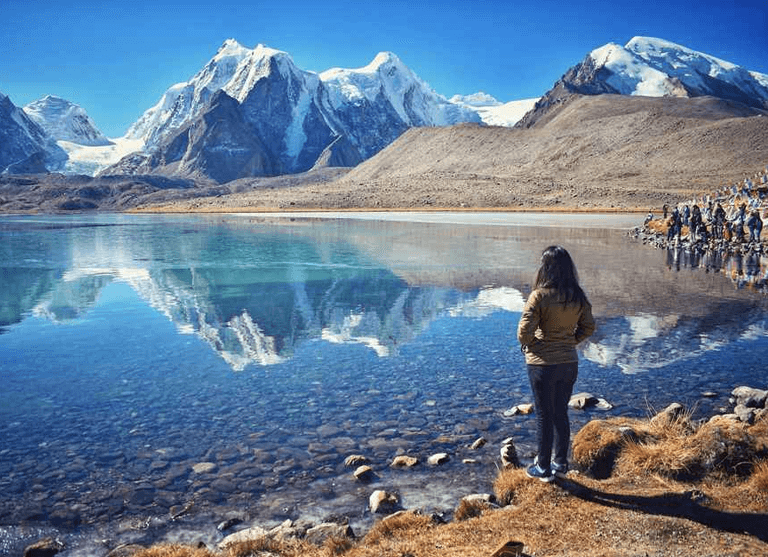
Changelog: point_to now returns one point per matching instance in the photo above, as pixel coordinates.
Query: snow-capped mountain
(25, 147)
(183, 102)
(236, 70)
(65, 121)
(653, 67)
(493, 112)
(252, 112)
(387, 76)
(371, 106)
(246, 113)
(283, 119)
(658, 68)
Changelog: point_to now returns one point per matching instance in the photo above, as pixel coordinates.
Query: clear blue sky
(116, 59)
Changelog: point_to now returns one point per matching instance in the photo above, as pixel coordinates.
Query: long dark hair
(558, 272)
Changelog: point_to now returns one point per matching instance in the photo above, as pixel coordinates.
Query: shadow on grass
(679, 505)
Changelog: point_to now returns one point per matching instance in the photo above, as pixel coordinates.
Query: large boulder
(750, 397)
(328, 530)
(249, 534)
(383, 502)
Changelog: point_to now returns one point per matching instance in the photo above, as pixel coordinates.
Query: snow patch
(92, 159)
(295, 137)
(475, 99)
(631, 74)
(654, 67)
(493, 112)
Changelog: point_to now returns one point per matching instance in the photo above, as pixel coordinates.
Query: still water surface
(152, 362)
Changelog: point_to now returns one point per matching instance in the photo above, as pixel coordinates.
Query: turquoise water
(133, 348)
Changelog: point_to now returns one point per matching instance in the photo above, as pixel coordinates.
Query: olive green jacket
(549, 330)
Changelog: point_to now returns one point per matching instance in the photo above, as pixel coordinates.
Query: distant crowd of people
(719, 232)
(734, 213)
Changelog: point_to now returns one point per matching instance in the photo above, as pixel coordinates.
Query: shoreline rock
(381, 501)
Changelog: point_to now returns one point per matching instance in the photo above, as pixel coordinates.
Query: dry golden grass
(390, 527)
(758, 481)
(507, 484)
(470, 509)
(175, 550)
(267, 546)
(261, 547)
(659, 226)
(721, 448)
(597, 445)
(759, 430)
(337, 546)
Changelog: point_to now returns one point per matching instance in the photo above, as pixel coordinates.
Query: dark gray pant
(552, 387)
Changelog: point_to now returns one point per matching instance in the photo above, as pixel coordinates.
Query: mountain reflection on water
(254, 288)
(251, 299)
(377, 335)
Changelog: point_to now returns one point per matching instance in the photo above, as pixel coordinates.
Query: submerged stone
(519, 409)
(204, 467)
(356, 460)
(437, 459)
(364, 473)
(478, 443)
(404, 461)
(47, 547)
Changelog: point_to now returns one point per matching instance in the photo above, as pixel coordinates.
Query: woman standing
(556, 317)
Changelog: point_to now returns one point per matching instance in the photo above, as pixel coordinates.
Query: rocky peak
(66, 121)
(25, 147)
(652, 67)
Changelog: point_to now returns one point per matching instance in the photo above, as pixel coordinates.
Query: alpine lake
(162, 374)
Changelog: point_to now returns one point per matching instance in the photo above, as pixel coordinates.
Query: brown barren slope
(589, 152)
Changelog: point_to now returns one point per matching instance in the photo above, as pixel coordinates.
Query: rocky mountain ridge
(255, 113)
(653, 67)
(597, 152)
(25, 147)
(593, 147)
(252, 112)
(295, 113)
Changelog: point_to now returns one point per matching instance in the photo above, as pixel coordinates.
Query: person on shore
(695, 222)
(675, 225)
(755, 225)
(728, 232)
(557, 316)
(739, 221)
(702, 233)
(649, 217)
(719, 217)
